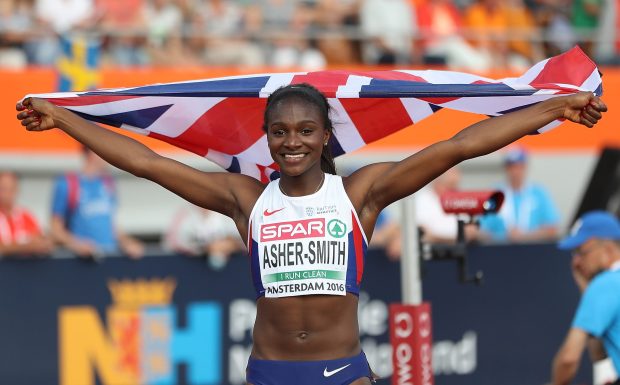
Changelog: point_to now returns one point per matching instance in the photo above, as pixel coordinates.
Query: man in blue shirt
(528, 213)
(83, 211)
(595, 244)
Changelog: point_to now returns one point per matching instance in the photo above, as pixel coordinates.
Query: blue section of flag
(434, 107)
(234, 165)
(136, 118)
(335, 146)
(139, 118)
(242, 87)
(99, 119)
(599, 90)
(379, 88)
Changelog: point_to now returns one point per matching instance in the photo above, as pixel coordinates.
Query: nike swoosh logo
(268, 213)
(327, 373)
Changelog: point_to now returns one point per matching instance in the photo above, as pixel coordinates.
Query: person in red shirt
(20, 234)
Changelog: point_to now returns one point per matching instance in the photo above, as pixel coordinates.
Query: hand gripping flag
(221, 119)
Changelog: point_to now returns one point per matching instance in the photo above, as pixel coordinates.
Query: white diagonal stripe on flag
(592, 82)
(276, 81)
(416, 108)
(353, 86)
(344, 129)
(257, 152)
(491, 106)
(180, 116)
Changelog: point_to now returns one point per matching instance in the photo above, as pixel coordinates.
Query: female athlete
(307, 232)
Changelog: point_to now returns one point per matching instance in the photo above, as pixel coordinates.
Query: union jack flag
(221, 118)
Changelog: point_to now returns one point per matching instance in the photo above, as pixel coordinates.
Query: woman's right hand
(36, 114)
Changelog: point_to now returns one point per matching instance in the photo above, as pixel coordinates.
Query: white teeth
(296, 156)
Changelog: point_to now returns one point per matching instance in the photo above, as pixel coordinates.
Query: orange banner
(442, 125)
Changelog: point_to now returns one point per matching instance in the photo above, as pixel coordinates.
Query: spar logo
(281, 231)
(141, 344)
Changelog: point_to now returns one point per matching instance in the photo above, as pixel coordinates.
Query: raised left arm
(381, 184)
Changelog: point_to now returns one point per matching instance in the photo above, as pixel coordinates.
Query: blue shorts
(342, 371)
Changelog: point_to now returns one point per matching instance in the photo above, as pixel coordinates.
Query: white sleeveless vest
(312, 244)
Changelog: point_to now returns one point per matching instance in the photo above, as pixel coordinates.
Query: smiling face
(296, 135)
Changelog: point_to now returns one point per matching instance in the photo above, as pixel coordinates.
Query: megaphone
(472, 202)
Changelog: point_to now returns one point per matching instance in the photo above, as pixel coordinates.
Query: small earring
(325, 144)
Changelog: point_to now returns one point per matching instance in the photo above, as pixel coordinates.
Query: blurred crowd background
(470, 34)
(60, 201)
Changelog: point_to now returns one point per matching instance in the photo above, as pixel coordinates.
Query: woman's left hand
(584, 108)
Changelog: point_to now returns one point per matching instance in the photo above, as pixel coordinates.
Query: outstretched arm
(566, 361)
(380, 184)
(229, 194)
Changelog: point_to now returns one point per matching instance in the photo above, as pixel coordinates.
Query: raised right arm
(230, 194)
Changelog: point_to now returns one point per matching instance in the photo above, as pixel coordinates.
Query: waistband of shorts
(360, 356)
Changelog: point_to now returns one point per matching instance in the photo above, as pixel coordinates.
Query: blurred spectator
(285, 22)
(333, 17)
(440, 23)
(59, 17)
(63, 16)
(196, 231)
(388, 27)
(528, 213)
(595, 245)
(487, 25)
(606, 47)
(553, 16)
(164, 31)
(524, 37)
(16, 25)
(502, 32)
(310, 33)
(585, 21)
(122, 24)
(436, 225)
(219, 32)
(83, 210)
(20, 234)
